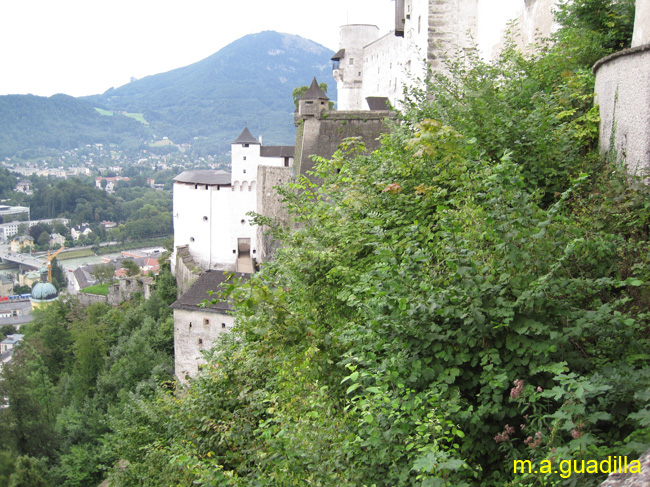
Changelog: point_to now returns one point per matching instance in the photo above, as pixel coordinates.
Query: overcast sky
(84, 47)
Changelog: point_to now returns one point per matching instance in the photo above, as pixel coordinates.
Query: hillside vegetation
(61, 122)
(247, 82)
(473, 292)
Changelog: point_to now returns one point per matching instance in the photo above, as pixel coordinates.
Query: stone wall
(195, 331)
(269, 204)
(641, 34)
(120, 291)
(187, 271)
(623, 94)
(86, 299)
(322, 136)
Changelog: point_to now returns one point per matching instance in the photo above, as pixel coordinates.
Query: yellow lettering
(565, 468)
(523, 464)
(592, 466)
(606, 464)
(545, 466)
(635, 467)
(575, 466)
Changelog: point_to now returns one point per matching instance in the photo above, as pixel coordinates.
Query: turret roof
(246, 138)
(314, 92)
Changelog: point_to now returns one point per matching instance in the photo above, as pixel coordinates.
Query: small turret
(245, 153)
(314, 102)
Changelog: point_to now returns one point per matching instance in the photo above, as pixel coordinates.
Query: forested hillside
(472, 293)
(61, 122)
(247, 82)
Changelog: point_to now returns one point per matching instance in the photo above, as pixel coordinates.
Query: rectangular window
(206, 322)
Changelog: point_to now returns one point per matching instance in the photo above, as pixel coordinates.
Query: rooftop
(208, 281)
(246, 138)
(277, 151)
(204, 176)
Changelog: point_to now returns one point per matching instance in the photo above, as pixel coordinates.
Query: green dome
(44, 291)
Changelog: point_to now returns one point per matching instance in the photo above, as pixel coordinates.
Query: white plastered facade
(211, 217)
(433, 30)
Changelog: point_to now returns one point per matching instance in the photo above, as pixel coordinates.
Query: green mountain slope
(61, 122)
(205, 104)
(249, 81)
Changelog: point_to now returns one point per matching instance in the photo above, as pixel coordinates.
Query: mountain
(61, 122)
(247, 82)
(205, 104)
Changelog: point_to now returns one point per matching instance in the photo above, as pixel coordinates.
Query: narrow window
(200, 341)
(206, 322)
(351, 61)
(223, 325)
(244, 157)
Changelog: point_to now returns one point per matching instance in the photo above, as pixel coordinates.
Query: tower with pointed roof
(245, 157)
(211, 207)
(314, 102)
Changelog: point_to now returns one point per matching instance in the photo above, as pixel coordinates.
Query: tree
(43, 240)
(104, 273)
(59, 275)
(7, 330)
(131, 267)
(29, 472)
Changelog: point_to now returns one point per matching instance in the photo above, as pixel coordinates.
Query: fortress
(212, 230)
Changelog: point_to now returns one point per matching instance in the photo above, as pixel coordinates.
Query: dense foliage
(75, 369)
(472, 293)
(142, 211)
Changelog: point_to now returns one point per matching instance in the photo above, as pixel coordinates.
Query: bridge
(23, 261)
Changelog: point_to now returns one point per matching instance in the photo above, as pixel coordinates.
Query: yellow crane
(49, 262)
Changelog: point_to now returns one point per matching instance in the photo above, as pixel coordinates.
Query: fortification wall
(623, 94)
(322, 136)
(270, 205)
(187, 271)
(195, 331)
(86, 299)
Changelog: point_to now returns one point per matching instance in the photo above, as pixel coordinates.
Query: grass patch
(161, 143)
(106, 113)
(101, 289)
(73, 254)
(137, 116)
